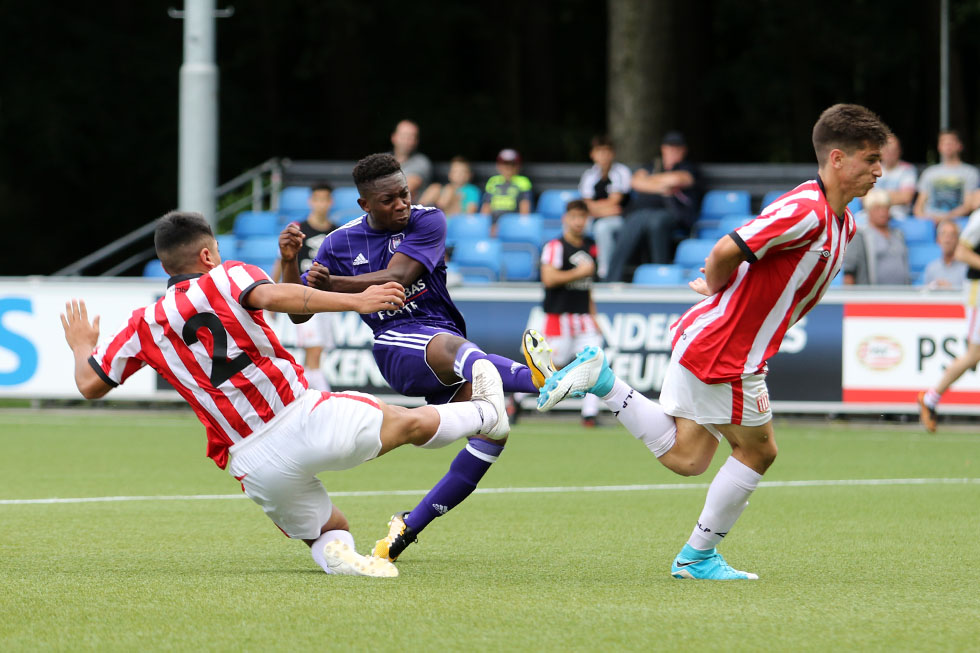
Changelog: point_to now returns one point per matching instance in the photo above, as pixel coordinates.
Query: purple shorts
(400, 354)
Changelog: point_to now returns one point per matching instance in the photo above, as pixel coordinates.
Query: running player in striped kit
(208, 338)
(421, 348)
(759, 281)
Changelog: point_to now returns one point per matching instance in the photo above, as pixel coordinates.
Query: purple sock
(464, 473)
(516, 376)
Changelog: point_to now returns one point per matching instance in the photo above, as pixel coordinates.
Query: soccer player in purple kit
(421, 349)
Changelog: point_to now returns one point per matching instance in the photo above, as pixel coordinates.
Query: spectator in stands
(946, 272)
(315, 336)
(877, 255)
(415, 165)
(945, 188)
(605, 187)
(665, 197)
(897, 177)
(507, 191)
(457, 196)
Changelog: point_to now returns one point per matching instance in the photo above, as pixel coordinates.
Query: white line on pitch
(521, 490)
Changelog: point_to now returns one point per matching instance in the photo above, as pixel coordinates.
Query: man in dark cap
(665, 197)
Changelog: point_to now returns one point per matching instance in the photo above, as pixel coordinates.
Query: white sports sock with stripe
(329, 536)
(459, 420)
(728, 495)
(642, 417)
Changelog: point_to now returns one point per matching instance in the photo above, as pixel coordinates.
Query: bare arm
(290, 242)
(609, 206)
(901, 196)
(82, 338)
(723, 260)
(662, 182)
(402, 268)
(919, 210)
(296, 299)
(552, 277)
(964, 252)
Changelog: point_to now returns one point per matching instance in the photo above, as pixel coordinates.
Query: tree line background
(89, 91)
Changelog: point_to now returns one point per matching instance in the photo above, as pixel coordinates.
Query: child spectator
(459, 195)
(604, 187)
(507, 192)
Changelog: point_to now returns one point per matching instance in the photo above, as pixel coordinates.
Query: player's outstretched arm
(300, 300)
(82, 338)
(401, 268)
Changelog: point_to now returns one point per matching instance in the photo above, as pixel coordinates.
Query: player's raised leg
(467, 468)
(929, 400)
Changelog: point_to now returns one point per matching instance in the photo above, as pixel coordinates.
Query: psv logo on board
(763, 402)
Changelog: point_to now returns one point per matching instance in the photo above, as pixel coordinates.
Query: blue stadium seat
(227, 247)
(692, 252)
(343, 217)
(478, 260)
(917, 230)
(772, 196)
(261, 251)
(521, 228)
(552, 202)
(154, 270)
(961, 222)
(920, 255)
(467, 226)
(519, 264)
(855, 205)
(295, 198)
(653, 274)
(719, 203)
(838, 281)
(551, 228)
(256, 223)
(345, 199)
(725, 226)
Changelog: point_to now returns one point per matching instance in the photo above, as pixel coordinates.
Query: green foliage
(842, 567)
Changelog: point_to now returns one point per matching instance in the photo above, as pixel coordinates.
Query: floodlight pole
(944, 64)
(198, 147)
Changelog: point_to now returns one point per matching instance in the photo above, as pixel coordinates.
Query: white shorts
(315, 332)
(972, 289)
(318, 432)
(744, 402)
(564, 348)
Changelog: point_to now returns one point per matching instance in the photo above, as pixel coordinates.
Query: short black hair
(602, 140)
(375, 166)
(848, 127)
(577, 205)
(321, 185)
(178, 239)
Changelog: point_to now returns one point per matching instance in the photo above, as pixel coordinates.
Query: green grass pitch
(843, 567)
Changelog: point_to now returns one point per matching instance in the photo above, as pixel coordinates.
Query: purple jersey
(355, 248)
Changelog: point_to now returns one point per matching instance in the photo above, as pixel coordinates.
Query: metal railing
(262, 182)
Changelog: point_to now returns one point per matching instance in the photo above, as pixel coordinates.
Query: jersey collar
(177, 278)
(823, 191)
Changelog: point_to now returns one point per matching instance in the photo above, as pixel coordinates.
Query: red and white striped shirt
(222, 358)
(794, 250)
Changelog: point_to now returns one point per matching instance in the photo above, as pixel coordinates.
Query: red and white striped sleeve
(551, 254)
(785, 227)
(244, 277)
(114, 360)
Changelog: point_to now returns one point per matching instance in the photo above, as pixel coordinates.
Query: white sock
(642, 417)
(460, 419)
(317, 380)
(329, 536)
(590, 405)
(931, 399)
(727, 497)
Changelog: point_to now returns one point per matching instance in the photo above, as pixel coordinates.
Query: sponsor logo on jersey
(763, 402)
(360, 260)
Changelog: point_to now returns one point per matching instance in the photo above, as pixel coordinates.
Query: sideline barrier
(858, 351)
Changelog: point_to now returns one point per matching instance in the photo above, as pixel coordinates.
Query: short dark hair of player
(577, 205)
(602, 140)
(374, 167)
(179, 238)
(321, 185)
(847, 127)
